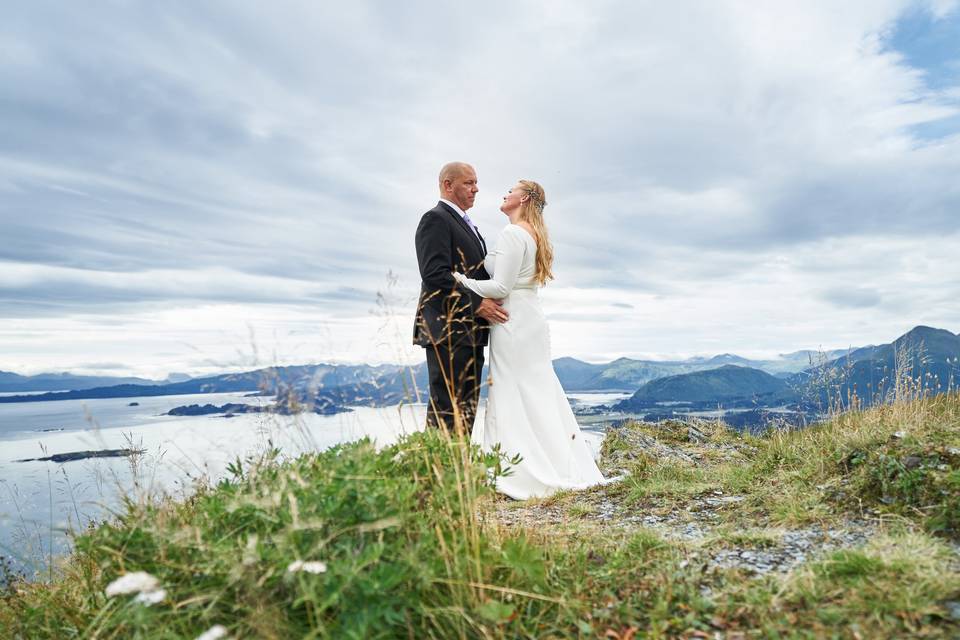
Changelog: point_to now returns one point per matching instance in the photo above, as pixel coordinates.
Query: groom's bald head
(452, 171)
(458, 183)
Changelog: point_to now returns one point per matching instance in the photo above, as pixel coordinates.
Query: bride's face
(512, 200)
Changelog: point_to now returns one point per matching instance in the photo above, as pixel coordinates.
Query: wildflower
(136, 582)
(250, 555)
(141, 583)
(216, 632)
(151, 597)
(309, 567)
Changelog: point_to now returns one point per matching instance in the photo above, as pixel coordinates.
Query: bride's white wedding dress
(527, 410)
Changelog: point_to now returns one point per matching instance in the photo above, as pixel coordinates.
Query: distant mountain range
(626, 374)
(12, 382)
(728, 385)
(926, 358)
(801, 377)
(375, 383)
(339, 382)
(928, 361)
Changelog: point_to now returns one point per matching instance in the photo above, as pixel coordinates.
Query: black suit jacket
(446, 311)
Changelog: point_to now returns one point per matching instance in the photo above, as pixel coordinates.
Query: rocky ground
(701, 523)
(769, 550)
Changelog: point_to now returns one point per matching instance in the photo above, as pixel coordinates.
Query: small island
(210, 409)
(321, 406)
(84, 455)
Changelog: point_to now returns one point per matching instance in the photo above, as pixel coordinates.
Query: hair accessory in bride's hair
(537, 200)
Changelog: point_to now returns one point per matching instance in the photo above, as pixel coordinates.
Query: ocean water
(41, 503)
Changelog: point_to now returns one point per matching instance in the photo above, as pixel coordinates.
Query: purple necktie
(472, 226)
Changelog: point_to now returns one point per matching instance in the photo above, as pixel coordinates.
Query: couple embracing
(472, 296)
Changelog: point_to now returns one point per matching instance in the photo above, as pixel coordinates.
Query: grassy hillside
(848, 529)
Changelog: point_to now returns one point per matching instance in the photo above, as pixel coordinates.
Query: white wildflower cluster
(141, 583)
(309, 567)
(216, 632)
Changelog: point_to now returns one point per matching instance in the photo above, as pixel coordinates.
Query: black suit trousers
(454, 378)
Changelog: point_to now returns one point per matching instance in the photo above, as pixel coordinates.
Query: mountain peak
(933, 340)
(728, 358)
(922, 331)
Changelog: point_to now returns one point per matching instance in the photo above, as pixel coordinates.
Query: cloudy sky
(195, 186)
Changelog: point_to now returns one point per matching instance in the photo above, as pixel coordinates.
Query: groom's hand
(492, 311)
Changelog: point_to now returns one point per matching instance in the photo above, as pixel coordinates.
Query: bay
(42, 503)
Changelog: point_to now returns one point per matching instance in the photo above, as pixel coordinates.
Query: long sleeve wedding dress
(527, 409)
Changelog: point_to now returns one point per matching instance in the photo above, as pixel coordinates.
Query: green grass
(894, 582)
(673, 480)
(901, 459)
(581, 510)
(751, 538)
(412, 550)
(892, 588)
(391, 526)
(856, 461)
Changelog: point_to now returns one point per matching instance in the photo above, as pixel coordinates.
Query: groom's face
(463, 188)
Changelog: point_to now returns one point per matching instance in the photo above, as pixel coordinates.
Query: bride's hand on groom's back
(492, 311)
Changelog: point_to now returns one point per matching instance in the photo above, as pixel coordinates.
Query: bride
(527, 410)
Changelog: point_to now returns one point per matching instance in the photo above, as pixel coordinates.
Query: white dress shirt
(455, 207)
(462, 214)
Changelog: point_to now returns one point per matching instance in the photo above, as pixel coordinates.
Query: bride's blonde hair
(531, 212)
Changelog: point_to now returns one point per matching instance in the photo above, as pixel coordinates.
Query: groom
(452, 323)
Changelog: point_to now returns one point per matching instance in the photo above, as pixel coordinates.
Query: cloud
(941, 9)
(103, 366)
(62, 289)
(164, 156)
(853, 298)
